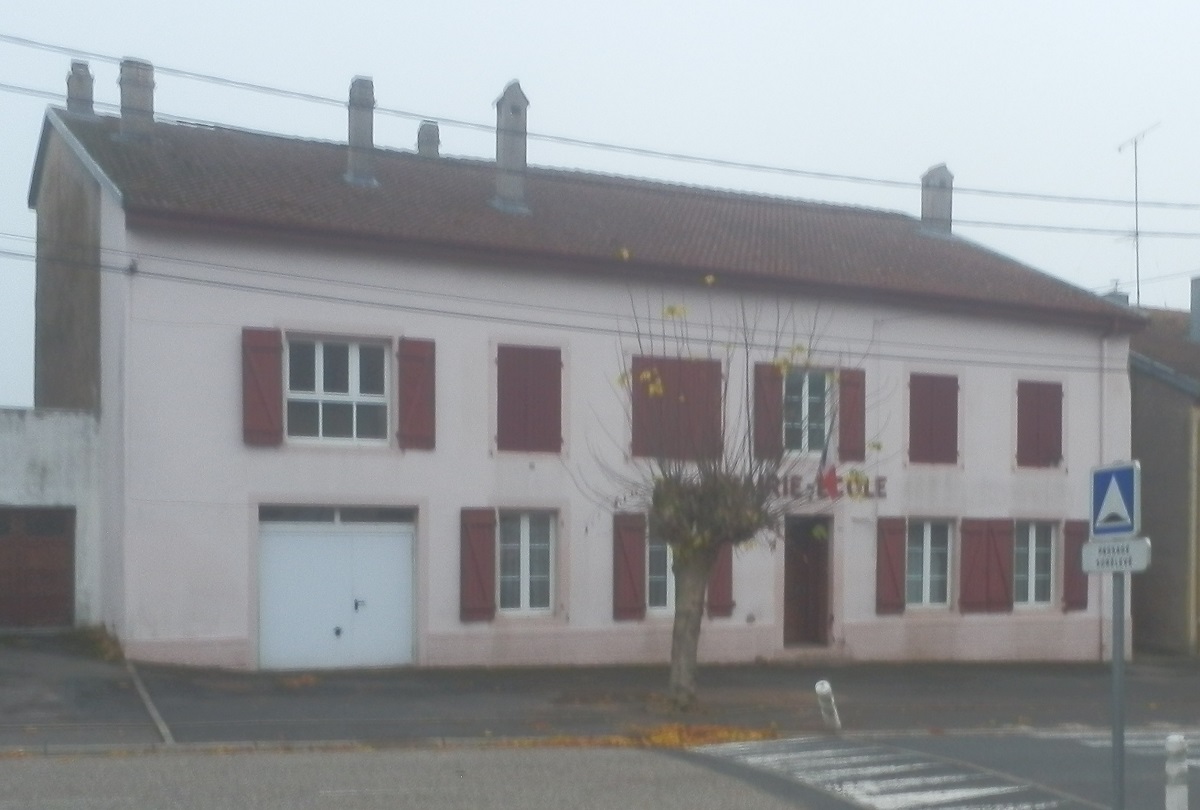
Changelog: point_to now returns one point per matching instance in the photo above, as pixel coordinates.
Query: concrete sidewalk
(55, 694)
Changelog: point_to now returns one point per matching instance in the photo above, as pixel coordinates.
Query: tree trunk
(691, 583)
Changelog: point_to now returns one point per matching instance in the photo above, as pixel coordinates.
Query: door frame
(807, 611)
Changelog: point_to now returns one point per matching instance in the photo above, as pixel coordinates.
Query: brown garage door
(37, 567)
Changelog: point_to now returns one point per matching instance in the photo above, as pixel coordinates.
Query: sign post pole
(1118, 690)
(1116, 512)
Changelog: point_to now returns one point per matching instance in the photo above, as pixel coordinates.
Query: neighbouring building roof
(207, 175)
(1164, 349)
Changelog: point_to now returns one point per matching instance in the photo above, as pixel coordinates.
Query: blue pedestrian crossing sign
(1116, 500)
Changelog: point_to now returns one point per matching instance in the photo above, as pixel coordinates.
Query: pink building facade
(367, 407)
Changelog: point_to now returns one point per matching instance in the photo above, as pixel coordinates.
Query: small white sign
(1116, 556)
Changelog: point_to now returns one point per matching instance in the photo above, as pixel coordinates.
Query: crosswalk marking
(1138, 743)
(882, 778)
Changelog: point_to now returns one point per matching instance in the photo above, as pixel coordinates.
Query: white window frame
(806, 405)
(526, 575)
(352, 397)
(1028, 537)
(927, 575)
(669, 574)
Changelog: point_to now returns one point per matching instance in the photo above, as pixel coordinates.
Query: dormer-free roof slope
(177, 173)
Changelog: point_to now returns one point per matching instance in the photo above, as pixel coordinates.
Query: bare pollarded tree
(707, 414)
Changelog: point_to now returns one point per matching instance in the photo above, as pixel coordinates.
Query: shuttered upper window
(1039, 424)
(933, 419)
(528, 399)
(336, 390)
(676, 407)
(796, 411)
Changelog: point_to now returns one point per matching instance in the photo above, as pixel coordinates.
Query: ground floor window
(660, 584)
(926, 578)
(524, 561)
(1033, 562)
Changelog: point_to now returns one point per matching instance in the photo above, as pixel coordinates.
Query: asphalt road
(80, 732)
(463, 779)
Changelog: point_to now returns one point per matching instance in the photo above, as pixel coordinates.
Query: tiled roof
(1165, 341)
(204, 174)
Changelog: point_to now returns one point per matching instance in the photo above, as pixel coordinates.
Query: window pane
(303, 418)
(939, 562)
(510, 561)
(336, 370)
(1043, 564)
(510, 530)
(510, 592)
(372, 421)
(914, 568)
(1021, 564)
(816, 410)
(370, 369)
(793, 410)
(657, 573)
(539, 592)
(302, 366)
(337, 419)
(539, 530)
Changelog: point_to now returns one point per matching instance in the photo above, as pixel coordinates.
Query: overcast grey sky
(1013, 95)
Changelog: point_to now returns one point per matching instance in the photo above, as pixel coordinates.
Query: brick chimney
(510, 150)
(79, 88)
(1194, 321)
(137, 97)
(937, 192)
(360, 162)
(429, 139)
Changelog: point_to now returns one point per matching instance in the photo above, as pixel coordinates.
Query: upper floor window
(1039, 424)
(795, 409)
(933, 419)
(336, 389)
(528, 399)
(806, 413)
(676, 407)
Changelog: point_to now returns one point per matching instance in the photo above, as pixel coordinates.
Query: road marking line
(151, 709)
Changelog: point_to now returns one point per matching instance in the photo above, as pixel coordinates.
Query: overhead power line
(597, 145)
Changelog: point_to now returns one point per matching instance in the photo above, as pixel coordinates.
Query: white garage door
(335, 595)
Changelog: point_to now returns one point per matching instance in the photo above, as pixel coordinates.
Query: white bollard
(829, 712)
(1177, 773)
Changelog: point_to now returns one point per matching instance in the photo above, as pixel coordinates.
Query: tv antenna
(1137, 230)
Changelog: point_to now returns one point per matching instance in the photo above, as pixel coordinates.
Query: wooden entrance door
(37, 567)
(806, 582)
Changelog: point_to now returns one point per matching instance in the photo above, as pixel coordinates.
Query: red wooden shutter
(768, 411)
(415, 365)
(262, 387)
(528, 399)
(720, 584)
(629, 567)
(852, 414)
(1039, 424)
(985, 577)
(477, 566)
(676, 407)
(890, 543)
(1075, 581)
(933, 419)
